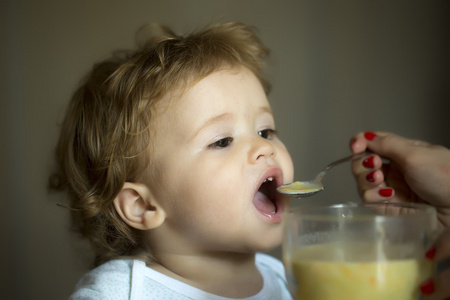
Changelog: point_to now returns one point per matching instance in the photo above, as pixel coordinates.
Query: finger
(437, 287)
(358, 143)
(379, 194)
(391, 145)
(367, 173)
(369, 180)
(368, 163)
(418, 143)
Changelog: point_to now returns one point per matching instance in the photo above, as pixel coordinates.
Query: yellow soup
(300, 187)
(366, 280)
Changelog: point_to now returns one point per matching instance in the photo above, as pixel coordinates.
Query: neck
(231, 275)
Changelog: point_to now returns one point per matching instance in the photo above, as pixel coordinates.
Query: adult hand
(418, 171)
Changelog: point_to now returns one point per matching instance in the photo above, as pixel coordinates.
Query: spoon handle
(338, 162)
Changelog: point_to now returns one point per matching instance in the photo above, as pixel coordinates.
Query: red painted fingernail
(386, 192)
(371, 176)
(430, 253)
(368, 162)
(427, 288)
(370, 135)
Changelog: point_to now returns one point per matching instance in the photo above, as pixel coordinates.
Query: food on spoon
(300, 187)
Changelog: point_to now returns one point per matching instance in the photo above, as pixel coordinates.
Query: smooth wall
(337, 68)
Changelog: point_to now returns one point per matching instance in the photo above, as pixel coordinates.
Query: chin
(270, 241)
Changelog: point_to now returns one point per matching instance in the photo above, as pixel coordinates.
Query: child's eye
(222, 143)
(268, 134)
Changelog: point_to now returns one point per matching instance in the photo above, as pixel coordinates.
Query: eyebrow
(265, 109)
(221, 117)
(226, 117)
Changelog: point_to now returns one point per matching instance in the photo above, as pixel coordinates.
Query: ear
(136, 206)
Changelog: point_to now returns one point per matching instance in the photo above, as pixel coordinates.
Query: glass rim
(316, 211)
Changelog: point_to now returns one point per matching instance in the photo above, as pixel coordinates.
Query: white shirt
(132, 279)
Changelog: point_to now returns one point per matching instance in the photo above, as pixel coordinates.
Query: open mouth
(265, 197)
(267, 200)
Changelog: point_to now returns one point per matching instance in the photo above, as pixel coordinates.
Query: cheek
(205, 200)
(286, 165)
(212, 187)
(198, 185)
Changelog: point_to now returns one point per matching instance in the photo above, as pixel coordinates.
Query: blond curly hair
(105, 137)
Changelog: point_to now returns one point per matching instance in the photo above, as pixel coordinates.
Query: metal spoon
(303, 189)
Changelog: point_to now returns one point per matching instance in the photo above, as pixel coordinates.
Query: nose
(261, 149)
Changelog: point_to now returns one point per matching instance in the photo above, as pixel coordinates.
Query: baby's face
(214, 148)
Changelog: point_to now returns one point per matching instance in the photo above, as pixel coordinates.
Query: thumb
(388, 145)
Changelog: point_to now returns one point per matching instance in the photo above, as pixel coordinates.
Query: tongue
(262, 203)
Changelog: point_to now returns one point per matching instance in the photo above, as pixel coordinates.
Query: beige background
(338, 67)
